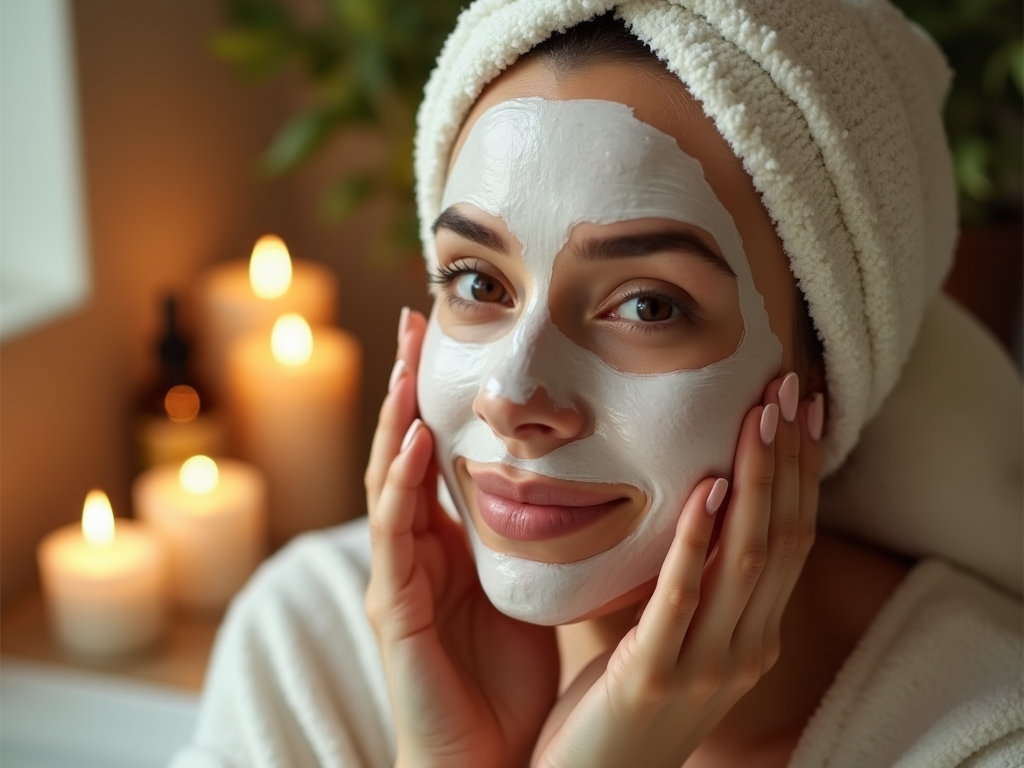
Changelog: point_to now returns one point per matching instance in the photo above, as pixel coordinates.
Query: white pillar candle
(238, 298)
(105, 584)
(211, 516)
(294, 397)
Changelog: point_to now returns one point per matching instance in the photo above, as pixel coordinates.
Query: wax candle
(237, 298)
(105, 583)
(293, 398)
(211, 516)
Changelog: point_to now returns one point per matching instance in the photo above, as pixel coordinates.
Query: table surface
(178, 660)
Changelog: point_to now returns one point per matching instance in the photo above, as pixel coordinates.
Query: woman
(622, 389)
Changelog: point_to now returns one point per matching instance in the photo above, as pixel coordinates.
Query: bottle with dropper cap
(175, 416)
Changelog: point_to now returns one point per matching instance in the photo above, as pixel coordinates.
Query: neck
(581, 642)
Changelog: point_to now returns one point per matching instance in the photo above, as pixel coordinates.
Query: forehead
(601, 163)
(654, 97)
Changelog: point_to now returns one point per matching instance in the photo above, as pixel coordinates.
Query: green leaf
(972, 158)
(360, 18)
(1001, 67)
(344, 196)
(257, 13)
(298, 139)
(1016, 64)
(258, 53)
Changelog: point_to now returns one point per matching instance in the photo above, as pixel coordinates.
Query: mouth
(525, 507)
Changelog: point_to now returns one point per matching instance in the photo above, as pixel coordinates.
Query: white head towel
(833, 107)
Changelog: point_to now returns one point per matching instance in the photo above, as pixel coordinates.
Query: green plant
(364, 63)
(984, 42)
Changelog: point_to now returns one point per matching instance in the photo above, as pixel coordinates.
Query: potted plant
(364, 64)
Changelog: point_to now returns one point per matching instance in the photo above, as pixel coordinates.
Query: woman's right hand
(468, 685)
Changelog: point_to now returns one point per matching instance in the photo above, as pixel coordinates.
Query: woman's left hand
(711, 627)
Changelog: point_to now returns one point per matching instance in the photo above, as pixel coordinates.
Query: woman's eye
(647, 308)
(477, 286)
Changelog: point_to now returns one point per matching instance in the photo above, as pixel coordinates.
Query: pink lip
(537, 509)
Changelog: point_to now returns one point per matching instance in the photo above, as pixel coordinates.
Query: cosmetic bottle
(175, 418)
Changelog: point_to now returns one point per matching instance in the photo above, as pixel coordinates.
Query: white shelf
(56, 717)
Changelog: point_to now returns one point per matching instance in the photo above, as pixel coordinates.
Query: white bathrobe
(296, 680)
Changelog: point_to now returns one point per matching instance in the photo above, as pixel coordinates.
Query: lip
(533, 508)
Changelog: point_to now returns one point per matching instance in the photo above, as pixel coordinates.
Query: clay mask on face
(544, 167)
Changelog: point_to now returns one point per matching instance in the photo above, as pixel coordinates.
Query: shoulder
(934, 680)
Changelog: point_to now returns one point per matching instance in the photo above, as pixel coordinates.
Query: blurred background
(202, 125)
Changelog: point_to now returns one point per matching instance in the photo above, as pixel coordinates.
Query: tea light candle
(104, 583)
(293, 398)
(239, 298)
(211, 516)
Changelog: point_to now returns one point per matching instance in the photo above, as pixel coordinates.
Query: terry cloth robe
(296, 680)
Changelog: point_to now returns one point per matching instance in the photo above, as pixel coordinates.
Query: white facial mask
(544, 167)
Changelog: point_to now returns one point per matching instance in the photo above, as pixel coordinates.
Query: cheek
(449, 378)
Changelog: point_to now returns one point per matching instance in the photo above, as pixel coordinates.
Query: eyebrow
(648, 243)
(473, 231)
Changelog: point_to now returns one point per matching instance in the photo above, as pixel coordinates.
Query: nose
(532, 428)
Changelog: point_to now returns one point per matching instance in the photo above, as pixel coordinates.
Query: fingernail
(769, 423)
(407, 440)
(403, 322)
(816, 416)
(717, 495)
(789, 396)
(396, 373)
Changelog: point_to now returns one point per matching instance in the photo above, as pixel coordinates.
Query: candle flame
(291, 340)
(199, 475)
(270, 268)
(98, 519)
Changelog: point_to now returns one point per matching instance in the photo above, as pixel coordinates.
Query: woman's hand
(468, 685)
(711, 628)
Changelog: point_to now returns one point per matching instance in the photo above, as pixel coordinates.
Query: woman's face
(612, 300)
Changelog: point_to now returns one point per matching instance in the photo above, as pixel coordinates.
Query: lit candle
(211, 516)
(104, 583)
(294, 402)
(238, 298)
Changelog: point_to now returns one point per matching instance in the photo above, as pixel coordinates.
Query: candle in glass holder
(238, 298)
(294, 399)
(211, 516)
(105, 582)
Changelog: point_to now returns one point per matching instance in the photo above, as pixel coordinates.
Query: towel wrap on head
(834, 107)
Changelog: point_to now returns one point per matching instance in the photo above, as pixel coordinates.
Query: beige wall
(168, 138)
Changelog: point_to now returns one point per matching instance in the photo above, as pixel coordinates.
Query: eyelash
(446, 273)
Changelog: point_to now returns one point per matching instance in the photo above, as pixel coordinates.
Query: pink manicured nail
(396, 373)
(407, 440)
(717, 495)
(789, 396)
(816, 416)
(403, 323)
(769, 423)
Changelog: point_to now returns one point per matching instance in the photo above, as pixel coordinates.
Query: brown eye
(650, 309)
(647, 308)
(477, 286)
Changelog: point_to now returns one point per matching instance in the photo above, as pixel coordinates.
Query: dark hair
(603, 38)
(606, 38)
